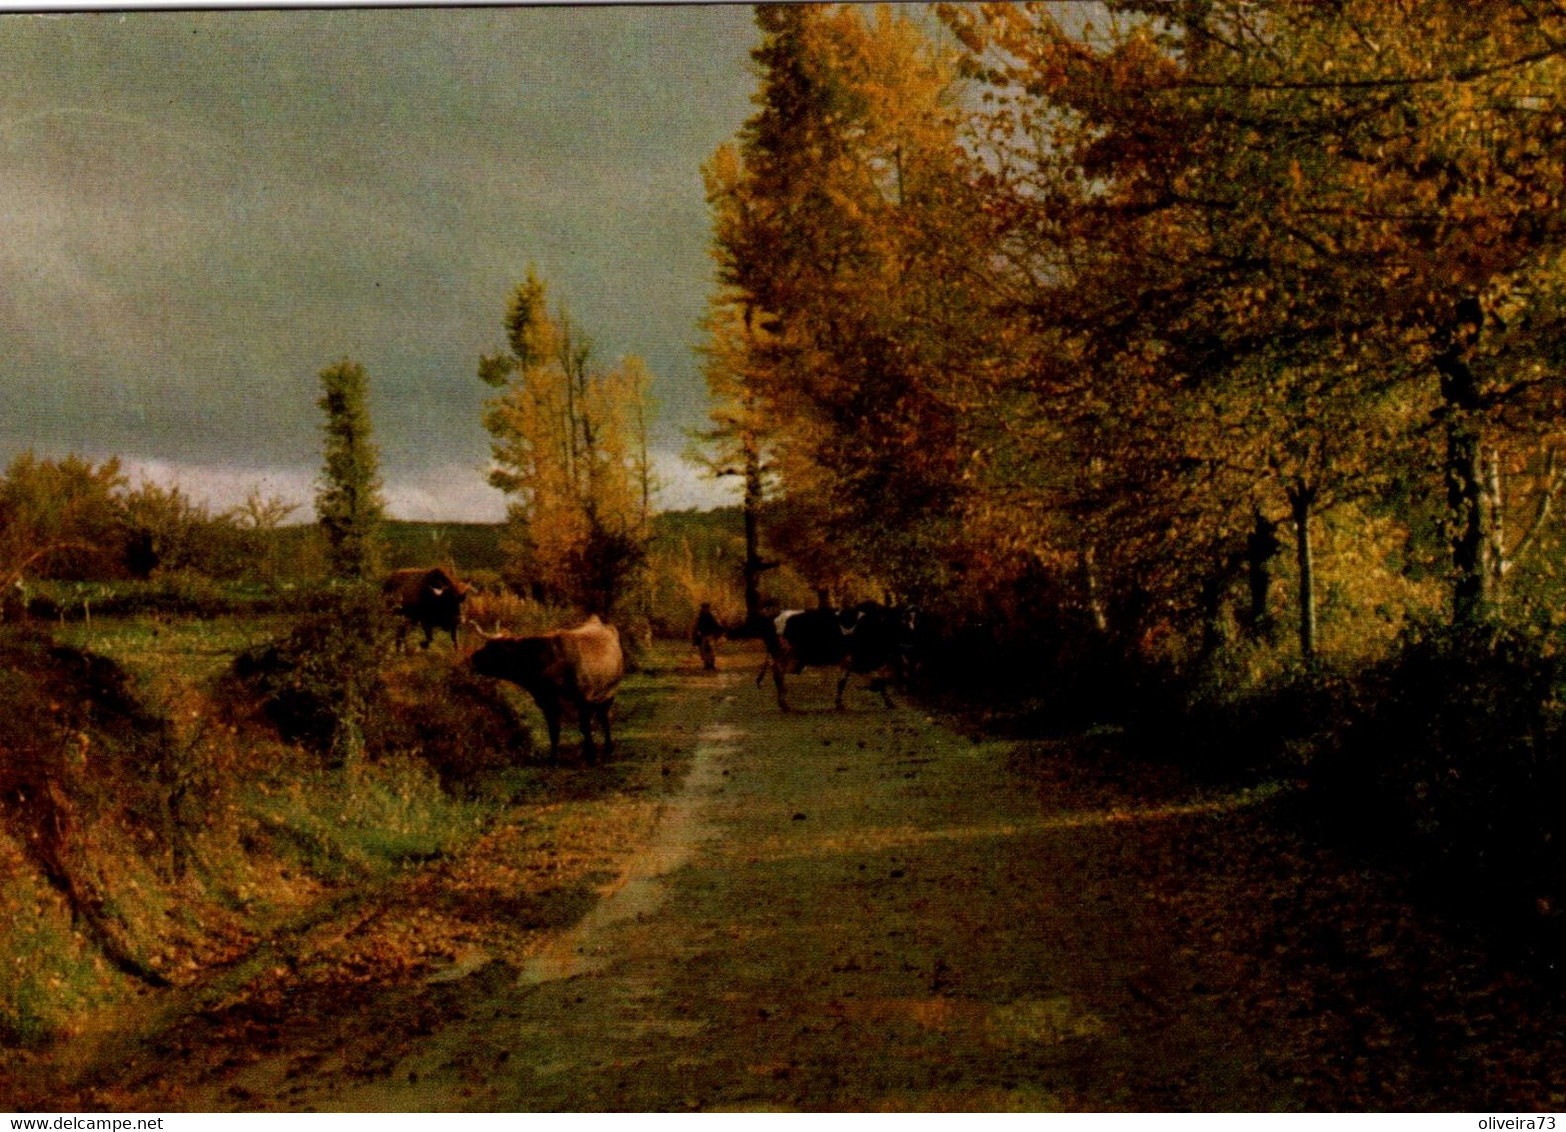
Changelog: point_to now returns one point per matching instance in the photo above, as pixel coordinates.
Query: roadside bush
(1038, 678)
(318, 684)
(502, 610)
(1453, 761)
(1245, 711)
(332, 686)
(458, 724)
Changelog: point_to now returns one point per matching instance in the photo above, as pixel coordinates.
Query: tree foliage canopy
(1087, 312)
(570, 446)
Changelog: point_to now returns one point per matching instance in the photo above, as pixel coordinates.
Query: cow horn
(479, 629)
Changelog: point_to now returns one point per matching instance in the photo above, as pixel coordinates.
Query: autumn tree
(256, 521)
(59, 518)
(348, 502)
(1266, 216)
(841, 234)
(737, 442)
(165, 531)
(570, 445)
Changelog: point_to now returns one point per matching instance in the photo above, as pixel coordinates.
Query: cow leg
(603, 718)
(843, 683)
(584, 713)
(429, 635)
(552, 721)
(777, 681)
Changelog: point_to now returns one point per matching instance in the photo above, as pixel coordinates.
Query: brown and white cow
(580, 668)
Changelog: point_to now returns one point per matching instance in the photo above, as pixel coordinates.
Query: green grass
(49, 974)
(189, 650)
(361, 821)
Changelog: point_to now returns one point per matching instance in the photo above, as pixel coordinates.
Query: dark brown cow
(579, 667)
(429, 598)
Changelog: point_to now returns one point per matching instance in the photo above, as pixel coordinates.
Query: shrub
(457, 723)
(331, 686)
(1245, 710)
(1452, 759)
(317, 685)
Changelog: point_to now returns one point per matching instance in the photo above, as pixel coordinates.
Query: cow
(771, 631)
(875, 637)
(919, 638)
(580, 668)
(429, 598)
(863, 639)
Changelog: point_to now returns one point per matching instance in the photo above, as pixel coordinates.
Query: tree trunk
(1465, 497)
(1095, 599)
(1465, 482)
(1553, 476)
(1301, 498)
(1212, 612)
(754, 564)
(1261, 547)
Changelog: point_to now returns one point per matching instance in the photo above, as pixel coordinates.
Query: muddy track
(863, 910)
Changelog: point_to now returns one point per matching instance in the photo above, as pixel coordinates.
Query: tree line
(570, 445)
(1043, 318)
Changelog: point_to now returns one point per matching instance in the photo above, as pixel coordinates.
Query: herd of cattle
(581, 668)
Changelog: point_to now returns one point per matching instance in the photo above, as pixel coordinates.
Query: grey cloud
(200, 210)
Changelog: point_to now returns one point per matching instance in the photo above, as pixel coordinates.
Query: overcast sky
(202, 210)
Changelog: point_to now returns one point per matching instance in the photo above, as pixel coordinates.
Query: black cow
(770, 630)
(919, 638)
(429, 598)
(875, 636)
(580, 668)
(864, 639)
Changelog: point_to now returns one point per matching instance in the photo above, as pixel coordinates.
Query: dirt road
(866, 911)
(839, 912)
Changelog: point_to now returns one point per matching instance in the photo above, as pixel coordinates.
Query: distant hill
(467, 546)
(715, 534)
(707, 541)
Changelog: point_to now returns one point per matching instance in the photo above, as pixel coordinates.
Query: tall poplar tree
(348, 502)
(570, 446)
(843, 243)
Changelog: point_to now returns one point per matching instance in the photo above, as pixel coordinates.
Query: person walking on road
(704, 636)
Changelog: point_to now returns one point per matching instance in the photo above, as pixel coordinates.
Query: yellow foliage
(569, 445)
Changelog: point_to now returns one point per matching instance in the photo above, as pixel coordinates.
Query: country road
(867, 911)
(838, 912)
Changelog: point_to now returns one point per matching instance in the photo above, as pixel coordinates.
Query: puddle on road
(641, 888)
